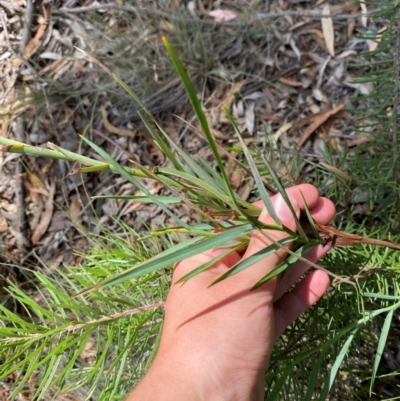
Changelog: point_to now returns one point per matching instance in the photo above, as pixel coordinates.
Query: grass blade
(314, 376)
(161, 144)
(276, 392)
(335, 368)
(381, 346)
(310, 219)
(196, 168)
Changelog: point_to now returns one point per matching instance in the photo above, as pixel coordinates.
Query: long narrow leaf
(314, 376)
(310, 219)
(256, 175)
(172, 255)
(251, 260)
(381, 346)
(131, 179)
(196, 168)
(336, 366)
(284, 195)
(207, 265)
(192, 94)
(161, 144)
(301, 252)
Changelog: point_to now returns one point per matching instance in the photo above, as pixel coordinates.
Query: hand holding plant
(217, 341)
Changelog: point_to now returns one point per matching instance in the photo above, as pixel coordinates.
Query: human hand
(217, 341)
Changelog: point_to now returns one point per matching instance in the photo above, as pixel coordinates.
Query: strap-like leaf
(293, 258)
(132, 179)
(310, 219)
(381, 346)
(251, 260)
(208, 264)
(335, 368)
(173, 255)
(192, 94)
(284, 195)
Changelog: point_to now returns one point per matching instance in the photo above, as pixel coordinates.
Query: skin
(216, 342)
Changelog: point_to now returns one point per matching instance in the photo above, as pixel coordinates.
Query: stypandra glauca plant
(227, 220)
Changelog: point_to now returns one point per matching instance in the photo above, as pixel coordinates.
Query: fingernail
(282, 209)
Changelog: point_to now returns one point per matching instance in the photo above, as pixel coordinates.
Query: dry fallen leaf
(112, 129)
(236, 178)
(320, 118)
(75, 208)
(275, 137)
(36, 184)
(337, 171)
(245, 189)
(45, 217)
(220, 15)
(290, 82)
(328, 31)
(3, 224)
(364, 19)
(250, 117)
(230, 94)
(35, 41)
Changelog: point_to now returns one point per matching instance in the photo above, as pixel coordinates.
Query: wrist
(176, 375)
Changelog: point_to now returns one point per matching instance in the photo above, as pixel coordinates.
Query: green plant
(202, 188)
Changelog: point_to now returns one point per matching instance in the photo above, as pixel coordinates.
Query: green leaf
(314, 376)
(174, 255)
(131, 179)
(161, 144)
(310, 219)
(278, 385)
(381, 346)
(293, 258)
(196, 168)
(256, 175)
(284, 195)
(251, 260)
(380, 296)
(207, 265)
(192, 94)
(335, 368)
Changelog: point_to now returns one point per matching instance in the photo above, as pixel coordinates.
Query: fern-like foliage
(97, 345)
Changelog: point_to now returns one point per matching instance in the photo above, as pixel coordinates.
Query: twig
(5, 30)
(26, 33)
(10, 87)
(19, 194)
(316, 15)
(105, 319)
(19, 136)
(10, 6)
(396, 78)
(260, 16)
